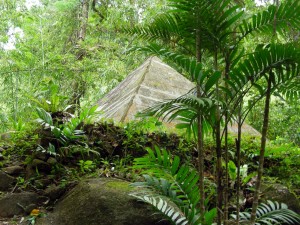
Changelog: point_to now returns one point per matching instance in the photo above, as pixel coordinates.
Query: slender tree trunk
(264, 132)
(201, 164)
(226, 183)
(219, 173)
(200, 147)
(218, 152)
(262, 149)
(83, 19)
(238, 158)
(79, 84)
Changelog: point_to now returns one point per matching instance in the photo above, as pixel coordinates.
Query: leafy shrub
(69, 131)
(171, 182)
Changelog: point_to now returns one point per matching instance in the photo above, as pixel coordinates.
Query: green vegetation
(59, 58)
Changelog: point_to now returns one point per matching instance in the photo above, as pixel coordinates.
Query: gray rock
(281, 194)
(13, 170)
(42, 183)
(40, 155)
(101, 201)
(52, 161)
(41, 166)
(29, 171)
(29, 208)
(6, 136)
(17, 203)
(6, 181)
(54, 192)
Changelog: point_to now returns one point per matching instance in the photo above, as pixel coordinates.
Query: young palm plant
(216, 29)
(270, 213)
(171, 188)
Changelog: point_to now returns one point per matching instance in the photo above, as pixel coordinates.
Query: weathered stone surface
(17, 203)
(6, 136)
(29, 171)
(13, 170)
(281, 194)
(54, 192)
(40, 155)
(52, 161)
(29, 208)
(151, 83)
(101, 201)
(42, 183)
(6, 181)
(41, 165)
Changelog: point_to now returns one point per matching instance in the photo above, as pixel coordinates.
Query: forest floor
(106, 150)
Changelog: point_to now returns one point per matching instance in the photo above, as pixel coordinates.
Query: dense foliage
(40, 47)
(58, 58)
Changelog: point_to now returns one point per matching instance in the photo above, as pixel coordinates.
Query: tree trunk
(219, 172)
(262, 149)
(218, 151)
(226, 117)
(238, 158)
(264, 132)
(226, 183)
(200, 147)
(83, 19)
(79, 85)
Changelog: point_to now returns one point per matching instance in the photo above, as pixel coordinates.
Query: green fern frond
(290, 91)
(164, 206)
(284, 59)
(287, 15)
(172, 109)
(164, 27)
(169, 178)
(189, 65)
(271, 213)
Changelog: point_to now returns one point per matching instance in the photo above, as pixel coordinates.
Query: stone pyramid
(151, 83)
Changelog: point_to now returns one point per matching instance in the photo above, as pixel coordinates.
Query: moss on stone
(119, 185)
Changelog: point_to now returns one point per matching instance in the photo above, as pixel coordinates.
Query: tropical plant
(167, 180)
(44, 48)
(217, 29)
(49, 97)
(271, 213)
(86, 166)
(70, 130)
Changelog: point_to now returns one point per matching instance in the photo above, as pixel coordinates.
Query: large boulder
(101, 201)
(281, 194)
(6, 181)
(13, 170)
(12, 204)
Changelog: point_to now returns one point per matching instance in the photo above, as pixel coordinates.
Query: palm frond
(283, 59)
(190, 65)
(169, 178)
(291, 90)
(164, 27)
(163, 206)
(287, 15)
(271, 213)
(184, 111)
